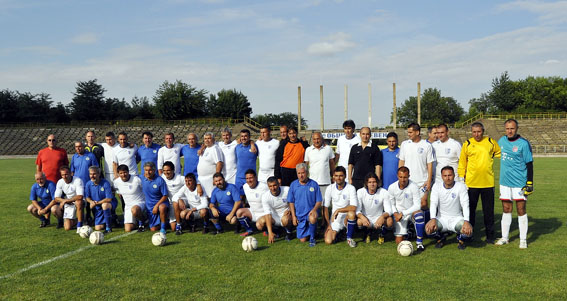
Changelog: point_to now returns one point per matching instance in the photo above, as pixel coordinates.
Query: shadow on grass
(536, 228)
(171, 243)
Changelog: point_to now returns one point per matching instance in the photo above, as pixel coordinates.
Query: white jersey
(343, 148)
(416, 156)
(405, 201)
(172, 154)
(109, 157)
(254, 197)
(126, 156)
(229, 167)
(319, 168)
(76, 187)
(373, 205)
(447, 154)
(452, 202)
(173, 185)
(340, 198)
(267, 158)
(207, 167)
(276, 205)
(192, 197)
(131, 191)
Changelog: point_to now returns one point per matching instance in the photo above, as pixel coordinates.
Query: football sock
(419, 226)
(42, 218)
(245, 222)
(505, 223)
(79, 224)
(287, 230)
(313, 230)
(163, 226)
(523, 226)
(462, 237)
(140, 223)
(218, 226)
(350, 228)
(205, 223)
(106, 213)
(384, 230)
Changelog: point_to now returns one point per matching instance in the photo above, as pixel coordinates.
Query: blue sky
(268, 48)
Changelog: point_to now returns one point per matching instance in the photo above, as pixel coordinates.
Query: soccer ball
(158, 239)
(85, 231)
(96, 238)
(405, 248)
(249, 244)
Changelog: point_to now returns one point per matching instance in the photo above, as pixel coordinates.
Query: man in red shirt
(51, 158)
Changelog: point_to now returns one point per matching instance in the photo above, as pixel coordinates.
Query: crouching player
(276, 209)
(342, 196)
(449, 209)
(373, 207)
(405, 202)
(253, 190)
(174, 183)
(225, 200)
(70, 208)
(190, 204)
(129, 187)
(304, 198)
(44, 190)
(155, 193)
(98, 194)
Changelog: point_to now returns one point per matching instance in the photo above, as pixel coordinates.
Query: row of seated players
(272, 207)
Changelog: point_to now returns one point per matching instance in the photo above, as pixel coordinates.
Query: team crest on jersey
(311, 189)
(128, 152)
(154, 186)
(155, 151)
(175, 152)
(87, 158)
(102, 189)
(269, 146)
(256, 194)
(406, 195)
(515, 148)
(47, 190)
(453, 195)
(228, 193)
(130, 187)
(420, 150)
(376, 202)
(447, 151)
(344, 196)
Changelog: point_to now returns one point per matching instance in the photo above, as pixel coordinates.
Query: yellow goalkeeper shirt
(475, 163)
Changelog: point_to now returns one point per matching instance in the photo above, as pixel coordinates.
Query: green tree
(503, 94)
(229, 103)
(9, 106)
(434, 108)
(179, 100)
(88, 102)
(285, 118)
(143, 108)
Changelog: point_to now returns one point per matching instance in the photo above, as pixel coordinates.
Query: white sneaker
(501, 241)
(523, 244)
(351, 242)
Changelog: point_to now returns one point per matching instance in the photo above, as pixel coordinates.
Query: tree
(229, 103)
(286, 118)
(179, 101)
(503, 93)
(142, 108)
(9, 106)
(434, 108)
(88, 102)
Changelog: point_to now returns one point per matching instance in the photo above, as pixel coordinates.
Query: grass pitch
(196, 266)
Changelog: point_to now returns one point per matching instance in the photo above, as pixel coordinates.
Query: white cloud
(549, 12)
(85, 38)
(333, 44)
(551, 62)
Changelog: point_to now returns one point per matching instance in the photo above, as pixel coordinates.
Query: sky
(266, 49)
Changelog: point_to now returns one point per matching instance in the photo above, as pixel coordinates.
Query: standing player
(245, 158)
(98, 194)
(405, 203)
(148, 152)
(304, 198)
(342, 196)
(190, 154)
(432, 134)
(320, 159)
(276, 209)
(155, 193)
(70, 208)
(373, 207)
(124, 154)
(516, 180)
(475, 166)
(364, 157)
(447, 152)
(225, 201)
(253, 190)
(81, 161)
(290, 153)
(449, 209)
(130, 189)
(50, 159)
(210, 163)
(228, 146)
(174, 183)
(109, 145)
(345, 143)
(44, 190)
(390, 158)
(190, 204)
(171, 151)
(267, 148)
(283, 132)
(93, 147)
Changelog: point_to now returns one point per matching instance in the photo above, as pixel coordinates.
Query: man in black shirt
(364, 158)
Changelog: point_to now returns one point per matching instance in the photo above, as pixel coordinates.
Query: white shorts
(256, 215)
(373, 220)
(401, 227)
(195, 214)
(171, 212)
(512, 194)
(69, 211)
(128, 217)
(339, 223)
(450, 222)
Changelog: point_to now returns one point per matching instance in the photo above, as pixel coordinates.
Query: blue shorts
(99, 214)
(43, 204)
(153, 219)
(303, 226)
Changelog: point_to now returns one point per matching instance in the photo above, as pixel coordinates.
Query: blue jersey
(515, 155)
(390, 168)
(245, 159)
(225, 199)
(147, 154)
(154, 190)
(98, 192)
(190, 159)
(80, 165)
(45, 194)
(304, 197)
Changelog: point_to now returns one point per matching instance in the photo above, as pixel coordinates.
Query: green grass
(196, 266)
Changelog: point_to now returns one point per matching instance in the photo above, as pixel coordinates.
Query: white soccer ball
(249, 244)
(405, 248)
(85, 231)
(96, 238)
(158, 239)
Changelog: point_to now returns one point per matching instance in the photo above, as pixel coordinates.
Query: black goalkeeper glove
(529, 188)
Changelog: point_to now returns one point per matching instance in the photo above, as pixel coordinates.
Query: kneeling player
(373, 208)
(253, 190)
(155, 192)
(276, 209)
(70, 209)
(225, 200)
(190, 204)
(304, 198)
(342, 196)
(405, 202)
(98, 194)
(129, 187)
(44, 190)
(449, 209)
